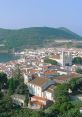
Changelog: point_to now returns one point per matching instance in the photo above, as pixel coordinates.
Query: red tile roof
(39, 81)
(50, 72)
(39, 98)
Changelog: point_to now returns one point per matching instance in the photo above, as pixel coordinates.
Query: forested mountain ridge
(34, 36)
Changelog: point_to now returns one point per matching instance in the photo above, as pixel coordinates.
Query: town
(42, 71)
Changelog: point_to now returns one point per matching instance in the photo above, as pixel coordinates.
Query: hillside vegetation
(35, 36)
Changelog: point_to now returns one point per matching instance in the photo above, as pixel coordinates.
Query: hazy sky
(52, 13)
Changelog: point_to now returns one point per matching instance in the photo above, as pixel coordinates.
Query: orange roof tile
(50, 72)
(33, 70)
(39, 81)
(39, 98)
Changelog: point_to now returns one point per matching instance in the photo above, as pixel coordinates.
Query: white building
(41, 87)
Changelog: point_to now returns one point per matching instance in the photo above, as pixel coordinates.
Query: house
(18, 99)
(39, 102)
(39, 87)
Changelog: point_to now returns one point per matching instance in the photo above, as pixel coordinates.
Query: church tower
(66, 59)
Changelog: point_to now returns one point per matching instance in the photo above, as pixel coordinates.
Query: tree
(65, 107)
(53, 110)
(13, 83)
(72, 84)
(11, 86)
(74, 112)
(22, 113)
(75, 84)
(1, 95)
(38, 114)
(61, 93)
(79, 71)
(17, 73)
(6, 107)
(3, 80)
(77, 60)
(23, 89)
(53, 62)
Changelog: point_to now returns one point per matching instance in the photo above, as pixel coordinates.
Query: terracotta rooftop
(39, 98)
(64, 78)
(50, 72)
(39, 81)
(33, 71)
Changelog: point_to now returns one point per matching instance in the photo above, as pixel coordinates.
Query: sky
(16, 14)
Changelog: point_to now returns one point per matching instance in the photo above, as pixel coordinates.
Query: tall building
(66, 58)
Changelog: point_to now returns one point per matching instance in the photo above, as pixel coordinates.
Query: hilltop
(34, 36)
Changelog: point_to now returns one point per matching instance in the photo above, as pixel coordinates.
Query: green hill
(35, 36)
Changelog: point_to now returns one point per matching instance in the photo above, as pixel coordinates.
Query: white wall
(35, 90)
(48, 95)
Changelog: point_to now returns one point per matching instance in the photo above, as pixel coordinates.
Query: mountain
(67, 30)
(34, 36)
